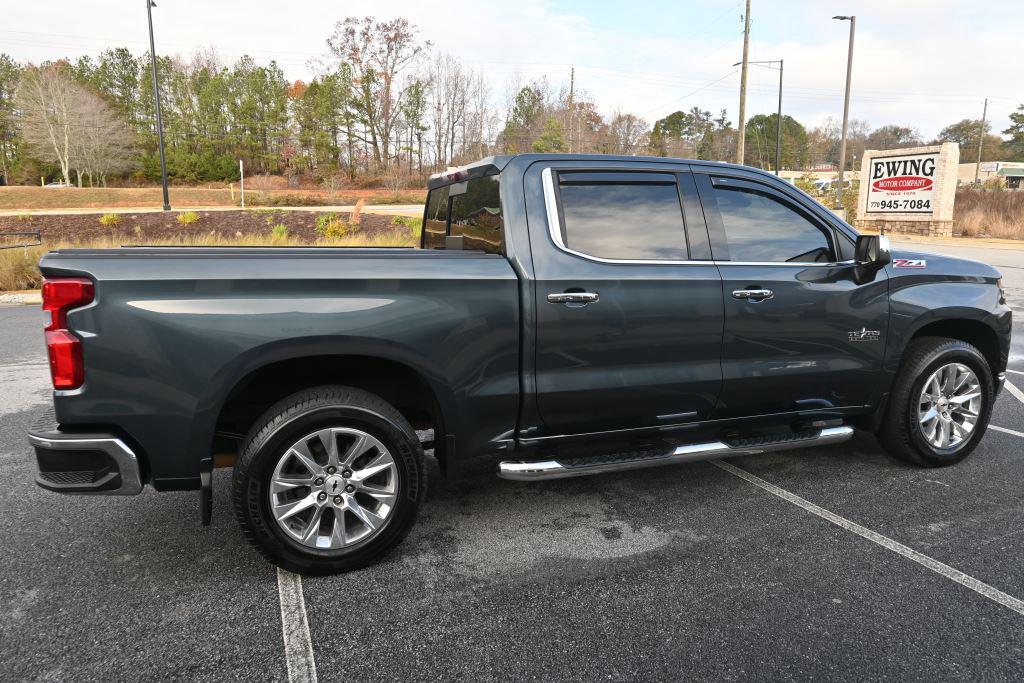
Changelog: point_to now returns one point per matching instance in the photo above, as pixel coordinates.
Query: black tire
(288, 421)
(900, 433)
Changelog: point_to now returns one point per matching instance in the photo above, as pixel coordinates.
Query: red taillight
(66, 365)
(63, 294)
(65, 349)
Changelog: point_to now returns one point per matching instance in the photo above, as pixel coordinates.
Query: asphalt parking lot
(686, 572)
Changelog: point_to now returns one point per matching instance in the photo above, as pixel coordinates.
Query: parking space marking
(940, 568)
(1017, 393)
(1016, 372)
(298, 645)
(1006, 431)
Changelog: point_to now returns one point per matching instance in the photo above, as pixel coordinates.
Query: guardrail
(32, 238)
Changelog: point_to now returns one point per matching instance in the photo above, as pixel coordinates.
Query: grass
(977, 213)
(18, 267)
(15, 198)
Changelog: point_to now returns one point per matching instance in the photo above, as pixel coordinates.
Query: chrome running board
(578, 467)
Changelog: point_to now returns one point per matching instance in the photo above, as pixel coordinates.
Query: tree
(760, 145)
(49, 99)
(377, 51)
(101, 144)
(552, 139)
(965, 133)
(628, 134)
(10, 73)
(527, 109)
(1015, 145)
(893, 137)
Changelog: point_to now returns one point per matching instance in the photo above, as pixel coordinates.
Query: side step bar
(555, 469)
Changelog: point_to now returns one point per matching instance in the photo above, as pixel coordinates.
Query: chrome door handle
(573, 297)
(753, 294)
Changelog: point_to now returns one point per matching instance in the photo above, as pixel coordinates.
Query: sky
(922, 63)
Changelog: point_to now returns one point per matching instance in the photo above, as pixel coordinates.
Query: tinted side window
(435, 222)
(759, 227)
(476, 215)
(622, 219)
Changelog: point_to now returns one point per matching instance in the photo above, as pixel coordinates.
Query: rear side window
(622, 216)
(435, 222)
(476, 216)
(762, 228)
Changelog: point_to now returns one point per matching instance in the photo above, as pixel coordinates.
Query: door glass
(623, 220)
(761, 228)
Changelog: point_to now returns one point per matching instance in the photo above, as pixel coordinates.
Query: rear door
(802, 332)
(628, 301)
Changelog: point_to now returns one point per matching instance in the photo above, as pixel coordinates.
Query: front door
(801, 331)
(628, 302)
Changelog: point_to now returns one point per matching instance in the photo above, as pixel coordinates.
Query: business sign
(989, 167)
(902, 184)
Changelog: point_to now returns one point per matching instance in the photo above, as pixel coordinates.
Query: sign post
(909, 190)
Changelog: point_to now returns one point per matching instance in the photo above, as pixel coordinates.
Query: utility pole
(742, 131)
(981, 140)
(572, 92)
(156, 98)
(778, 127)
(846, 109)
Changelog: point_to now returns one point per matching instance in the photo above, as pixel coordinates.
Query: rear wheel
(940, 404)
(328, 480)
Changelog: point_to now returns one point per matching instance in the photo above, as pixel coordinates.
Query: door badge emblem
(864, 335)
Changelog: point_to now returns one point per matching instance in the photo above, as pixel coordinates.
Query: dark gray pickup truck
(567, 315)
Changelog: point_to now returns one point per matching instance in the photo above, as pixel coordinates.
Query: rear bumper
(80, 463)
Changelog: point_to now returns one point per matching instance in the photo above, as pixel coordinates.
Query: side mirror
(873, 252)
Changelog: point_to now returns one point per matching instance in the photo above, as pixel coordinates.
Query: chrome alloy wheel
(333, 488)
(949, 406)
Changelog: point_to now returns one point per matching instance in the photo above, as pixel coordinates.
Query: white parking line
(1016, 372)
(1017, 393)
(298, 646)
(1006, 431)
(945, 570)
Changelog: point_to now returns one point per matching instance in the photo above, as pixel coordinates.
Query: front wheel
(328, 480)
(940, 404)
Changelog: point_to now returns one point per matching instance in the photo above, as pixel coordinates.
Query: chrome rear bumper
(555, 469)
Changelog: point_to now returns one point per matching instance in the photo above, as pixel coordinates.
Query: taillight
(60, 295)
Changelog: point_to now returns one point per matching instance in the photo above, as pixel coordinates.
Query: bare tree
(101, 144)
(628, 133)
(48, 99)
(377, 51)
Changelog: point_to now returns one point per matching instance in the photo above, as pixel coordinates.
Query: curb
(27, 298)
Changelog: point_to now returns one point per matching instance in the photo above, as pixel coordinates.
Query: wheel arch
(262, 376)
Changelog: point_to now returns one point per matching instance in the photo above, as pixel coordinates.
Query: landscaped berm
(254, 227)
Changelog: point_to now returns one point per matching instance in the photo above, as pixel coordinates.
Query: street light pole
(846, 108)
(156, 98)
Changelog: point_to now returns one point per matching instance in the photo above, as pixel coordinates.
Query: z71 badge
(864, 335)
(909, 263)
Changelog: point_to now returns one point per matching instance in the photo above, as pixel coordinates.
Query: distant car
(57, 183)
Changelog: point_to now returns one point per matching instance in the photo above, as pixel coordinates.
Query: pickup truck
(565, 315)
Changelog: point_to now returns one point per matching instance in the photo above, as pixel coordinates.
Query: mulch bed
(144, 227)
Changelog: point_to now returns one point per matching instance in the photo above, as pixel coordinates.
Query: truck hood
(924, 266)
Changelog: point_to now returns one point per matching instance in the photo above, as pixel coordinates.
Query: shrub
(411, 223)
(279, 231)
(110, 220)
(187, 217)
